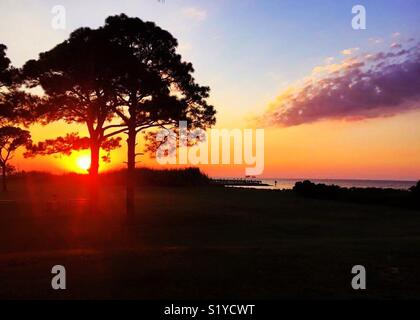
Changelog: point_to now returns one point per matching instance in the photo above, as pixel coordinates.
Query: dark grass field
(202, 243)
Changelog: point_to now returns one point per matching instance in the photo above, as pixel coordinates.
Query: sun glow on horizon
(83, 162)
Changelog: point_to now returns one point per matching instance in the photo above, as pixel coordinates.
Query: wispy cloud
(195, 13)
(396, 45)
(371, 85)
(349, 51)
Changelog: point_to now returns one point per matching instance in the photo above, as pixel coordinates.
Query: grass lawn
(202, 243)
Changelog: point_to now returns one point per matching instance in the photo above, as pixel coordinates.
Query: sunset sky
(334, 102)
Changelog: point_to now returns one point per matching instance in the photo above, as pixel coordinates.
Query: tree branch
(115, 132)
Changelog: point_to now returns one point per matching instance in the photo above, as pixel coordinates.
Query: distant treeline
(142, 177)
(170, 177)
(389, 197)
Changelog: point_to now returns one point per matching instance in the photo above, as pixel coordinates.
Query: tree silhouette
(16, 107)
(76, 76)
(153, 87)
(5, 81)
(11, 138)
(5, 75)
(127, 68)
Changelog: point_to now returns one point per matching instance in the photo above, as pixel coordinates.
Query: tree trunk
(4, 169)
(93, 176)
(94, 158)
(131, 170)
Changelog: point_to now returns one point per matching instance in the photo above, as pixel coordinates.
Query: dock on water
(238, 182)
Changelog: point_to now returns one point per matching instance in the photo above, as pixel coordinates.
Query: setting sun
(83, 162)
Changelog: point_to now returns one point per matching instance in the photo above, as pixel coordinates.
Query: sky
(334, 102)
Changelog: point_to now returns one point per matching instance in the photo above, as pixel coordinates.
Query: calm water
(289, 183)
